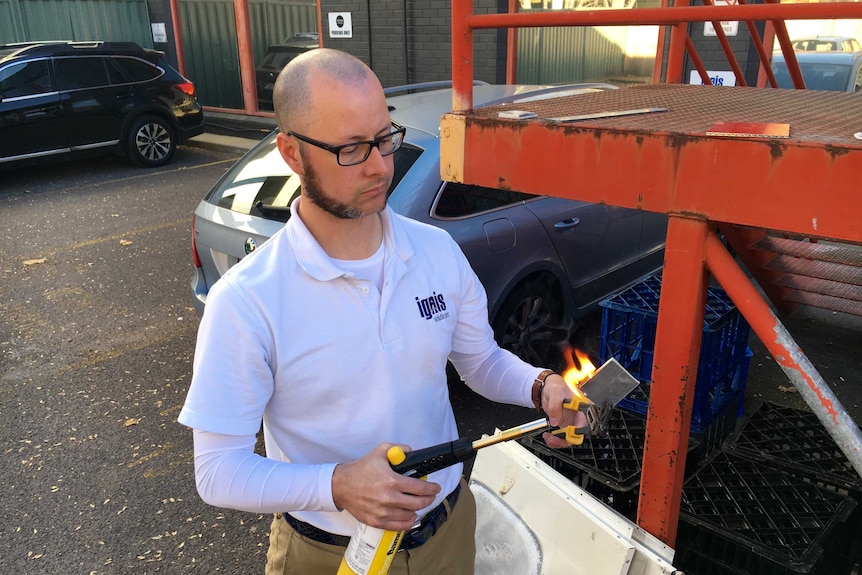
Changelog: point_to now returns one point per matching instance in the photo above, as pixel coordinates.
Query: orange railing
(701, 182)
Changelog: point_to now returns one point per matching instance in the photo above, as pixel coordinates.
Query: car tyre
(152, 142)
(529, 324)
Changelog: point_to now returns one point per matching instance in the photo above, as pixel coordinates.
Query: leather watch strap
(538, 386)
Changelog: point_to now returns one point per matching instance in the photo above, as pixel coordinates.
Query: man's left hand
(554, 393)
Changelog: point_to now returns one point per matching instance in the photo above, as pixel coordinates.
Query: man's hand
(554, 393)
(376, 495)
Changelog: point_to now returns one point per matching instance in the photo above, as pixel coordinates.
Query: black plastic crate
(714, 436)
(629, 322)
(607, 467)
(797, 441)
(742, 516)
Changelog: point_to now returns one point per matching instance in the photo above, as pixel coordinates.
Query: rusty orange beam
(677, 350)
(695, 59)
(178, 36)
(676, 49)
(764, 56)
(658, 61)
(246, 61)
(662, 16)
(775, 337)
(795, 187)
(512, 48)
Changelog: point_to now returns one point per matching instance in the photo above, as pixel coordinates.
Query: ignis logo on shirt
(434, 306)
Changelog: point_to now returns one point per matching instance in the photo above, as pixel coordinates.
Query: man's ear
(288, 147)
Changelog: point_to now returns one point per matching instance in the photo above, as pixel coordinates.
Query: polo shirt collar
(312, 258)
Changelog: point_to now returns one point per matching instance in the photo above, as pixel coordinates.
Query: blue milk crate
(629, 322)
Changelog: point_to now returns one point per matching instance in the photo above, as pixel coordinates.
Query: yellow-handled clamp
(575, 435)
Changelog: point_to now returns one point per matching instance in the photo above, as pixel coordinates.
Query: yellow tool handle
(395, 455)
(575, 435)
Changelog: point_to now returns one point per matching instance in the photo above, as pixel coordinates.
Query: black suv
(62, 97)
(277, 56)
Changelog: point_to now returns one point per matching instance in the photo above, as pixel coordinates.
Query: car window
(136, 70)
(817, 76)
(79, 73)
(461, 200)
(25, 79)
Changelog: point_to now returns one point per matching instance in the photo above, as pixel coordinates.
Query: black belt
(429, 525)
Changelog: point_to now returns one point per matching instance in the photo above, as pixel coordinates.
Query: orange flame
(579, 369)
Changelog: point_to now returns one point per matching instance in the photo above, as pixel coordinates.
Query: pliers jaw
(597, 420)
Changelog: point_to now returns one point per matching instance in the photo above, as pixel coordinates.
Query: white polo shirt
(333, 367)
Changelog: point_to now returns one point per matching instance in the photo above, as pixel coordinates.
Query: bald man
(325, 334)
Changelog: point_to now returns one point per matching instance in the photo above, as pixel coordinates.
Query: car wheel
(151, 142)
(529, 324)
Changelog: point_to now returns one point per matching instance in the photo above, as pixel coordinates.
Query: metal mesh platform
(818, 117)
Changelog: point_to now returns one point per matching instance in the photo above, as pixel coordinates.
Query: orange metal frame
(807, 184)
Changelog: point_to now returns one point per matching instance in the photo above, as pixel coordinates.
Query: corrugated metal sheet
(579, 53)
(211, 54)
(11, 29)
(571, 54)
(210, 42)
(120, 20)
(126, 20)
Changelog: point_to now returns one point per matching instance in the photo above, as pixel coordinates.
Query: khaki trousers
(452, 550)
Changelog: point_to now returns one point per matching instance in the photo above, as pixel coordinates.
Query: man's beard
(312, 190)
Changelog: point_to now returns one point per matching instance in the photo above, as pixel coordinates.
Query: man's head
(326, 99)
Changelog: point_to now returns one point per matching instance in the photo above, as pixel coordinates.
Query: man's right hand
(376, 495)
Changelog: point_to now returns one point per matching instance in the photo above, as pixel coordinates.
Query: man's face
(343, 115)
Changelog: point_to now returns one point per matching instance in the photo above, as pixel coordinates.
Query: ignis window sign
(340, 25)
(717, 78)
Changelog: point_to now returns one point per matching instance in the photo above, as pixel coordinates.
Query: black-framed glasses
(357, 152)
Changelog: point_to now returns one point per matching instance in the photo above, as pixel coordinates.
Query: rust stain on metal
(836, 151)
(692, 215)
(794, 363)
(676, 141)
(776, 150)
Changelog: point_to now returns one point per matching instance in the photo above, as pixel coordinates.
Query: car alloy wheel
(152, 142)
(529, 324)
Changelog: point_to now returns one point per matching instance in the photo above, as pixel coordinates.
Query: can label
(371, 551)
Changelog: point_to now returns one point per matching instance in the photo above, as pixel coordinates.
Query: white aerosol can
(371, 550)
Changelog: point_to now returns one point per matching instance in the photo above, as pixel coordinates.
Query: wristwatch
(538, 386)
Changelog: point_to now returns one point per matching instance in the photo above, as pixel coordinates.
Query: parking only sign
(730, 28)
(340, 25)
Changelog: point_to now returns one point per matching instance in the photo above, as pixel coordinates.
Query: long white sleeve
(230, 474)
(500, 376)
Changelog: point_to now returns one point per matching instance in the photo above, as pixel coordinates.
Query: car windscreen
(817, 75)
(261, 183)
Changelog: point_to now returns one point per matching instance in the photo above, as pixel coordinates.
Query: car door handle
(566, 226)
